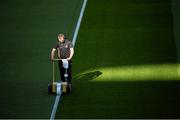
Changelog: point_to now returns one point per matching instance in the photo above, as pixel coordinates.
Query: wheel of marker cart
(49, 88)
(69, 88)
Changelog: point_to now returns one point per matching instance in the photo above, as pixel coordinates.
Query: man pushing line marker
(65, 50)
(73, 42)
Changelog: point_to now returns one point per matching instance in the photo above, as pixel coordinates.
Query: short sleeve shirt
(64, 48)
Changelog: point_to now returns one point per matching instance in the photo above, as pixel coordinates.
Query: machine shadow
(87, 76)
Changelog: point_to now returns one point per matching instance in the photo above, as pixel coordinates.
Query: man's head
(61, 37)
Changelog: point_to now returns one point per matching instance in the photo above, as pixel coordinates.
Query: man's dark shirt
(64, 48)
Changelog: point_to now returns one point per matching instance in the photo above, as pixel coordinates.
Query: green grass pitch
(29, 30)
(125, 63)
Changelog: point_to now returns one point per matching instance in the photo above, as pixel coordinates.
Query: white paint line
(73, 42)
(55, 107)
(79, 22)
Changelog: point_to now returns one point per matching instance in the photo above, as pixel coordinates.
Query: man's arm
(71, 54)
(52, 53)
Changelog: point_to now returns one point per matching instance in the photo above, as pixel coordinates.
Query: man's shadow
(88, 76)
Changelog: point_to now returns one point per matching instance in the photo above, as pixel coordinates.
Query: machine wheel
(69, 88)
(50, 89)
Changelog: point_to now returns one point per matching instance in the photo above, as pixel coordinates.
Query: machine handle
(56, 59)
(53, 71)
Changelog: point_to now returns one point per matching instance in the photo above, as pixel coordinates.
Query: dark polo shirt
(64, 48)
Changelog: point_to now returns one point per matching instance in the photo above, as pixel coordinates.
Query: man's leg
(62, 71)
(69, 72)
(69, 79)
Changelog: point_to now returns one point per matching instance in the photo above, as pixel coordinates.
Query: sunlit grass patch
(137, 73)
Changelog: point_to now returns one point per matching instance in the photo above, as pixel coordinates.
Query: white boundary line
(55, 107)
(79, 22)
(73, 42)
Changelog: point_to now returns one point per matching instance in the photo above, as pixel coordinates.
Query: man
(65, 50)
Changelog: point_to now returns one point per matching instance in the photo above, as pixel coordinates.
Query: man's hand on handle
(68, 59)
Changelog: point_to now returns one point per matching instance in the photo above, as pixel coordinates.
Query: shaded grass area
(122, 100)
(28, 32)
(123, 33)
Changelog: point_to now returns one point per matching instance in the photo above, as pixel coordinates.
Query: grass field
(29, 30)
(125, 63)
